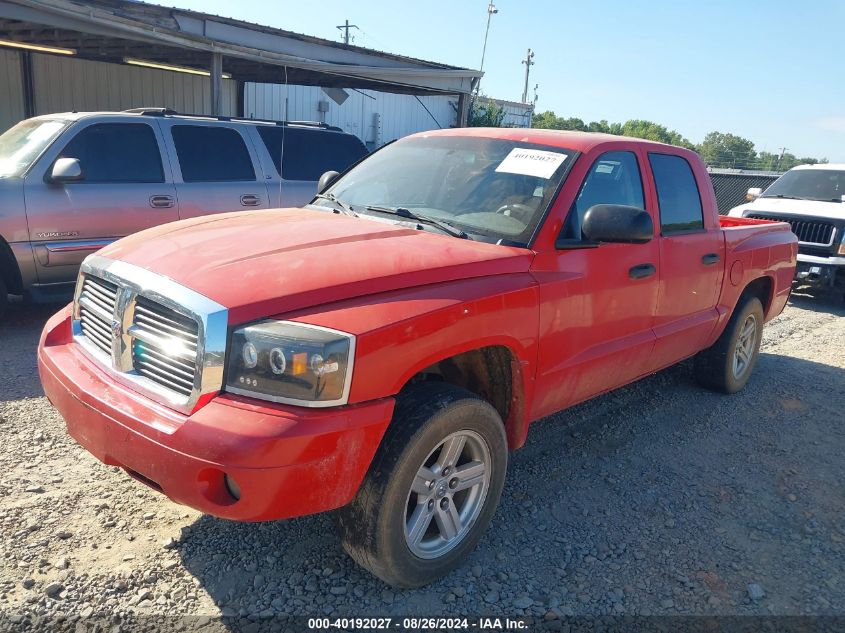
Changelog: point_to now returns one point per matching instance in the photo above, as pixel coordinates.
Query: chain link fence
(731, 185)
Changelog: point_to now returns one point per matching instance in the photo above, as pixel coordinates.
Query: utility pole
(491, 9)
(528, 63)
(780, 158)
(345, 28)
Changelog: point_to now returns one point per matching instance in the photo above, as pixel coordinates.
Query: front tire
(727, 365)
(432, 489)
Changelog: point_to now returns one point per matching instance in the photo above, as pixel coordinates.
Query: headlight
(842, 244)
(292, 363)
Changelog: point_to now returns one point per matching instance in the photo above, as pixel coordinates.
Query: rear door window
(308, 154)
(117, 153)
(677, 194)
(212, 154)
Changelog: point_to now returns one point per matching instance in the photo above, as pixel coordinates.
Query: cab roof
(564, 139)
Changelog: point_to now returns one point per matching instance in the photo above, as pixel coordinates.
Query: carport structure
(139, 34)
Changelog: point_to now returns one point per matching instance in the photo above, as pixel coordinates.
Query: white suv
(812, 199)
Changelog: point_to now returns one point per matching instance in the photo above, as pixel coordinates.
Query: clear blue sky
(772, 72)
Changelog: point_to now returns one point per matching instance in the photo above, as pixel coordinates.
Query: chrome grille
(164, 345)
(150, 333)
(807, 231)
(96, 309)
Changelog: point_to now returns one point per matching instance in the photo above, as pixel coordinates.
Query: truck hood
(809, 208)
(264, 263)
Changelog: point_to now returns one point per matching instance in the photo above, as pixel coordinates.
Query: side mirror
(326, 181)
(753, 194)
(617, 223)
(66, 170)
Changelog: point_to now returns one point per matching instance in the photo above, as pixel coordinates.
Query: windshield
(809, 184)
(493, 189)
(22, 144)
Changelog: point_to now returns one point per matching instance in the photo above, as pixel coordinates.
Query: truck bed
(727, 222)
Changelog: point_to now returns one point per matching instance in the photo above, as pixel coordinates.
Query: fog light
(232, 486)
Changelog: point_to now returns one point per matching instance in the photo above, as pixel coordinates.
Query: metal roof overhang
(111, 30)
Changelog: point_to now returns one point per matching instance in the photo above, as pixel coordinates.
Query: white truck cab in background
(812, 199)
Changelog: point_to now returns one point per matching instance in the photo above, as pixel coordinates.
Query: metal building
(375, 117)
(61, 55)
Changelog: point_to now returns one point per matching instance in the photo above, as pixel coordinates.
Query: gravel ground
(660, 498)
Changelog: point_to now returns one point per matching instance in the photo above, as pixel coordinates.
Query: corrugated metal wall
(62, 84)
(11, 89)
(517, 115)
(375, 117)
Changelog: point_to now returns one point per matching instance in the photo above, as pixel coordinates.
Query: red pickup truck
(380, 350)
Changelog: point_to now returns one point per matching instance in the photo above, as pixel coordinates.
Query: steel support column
(26, 80)
(463, 109)
(216, 84)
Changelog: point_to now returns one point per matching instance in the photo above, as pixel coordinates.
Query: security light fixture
(37, 47)
(178, 69)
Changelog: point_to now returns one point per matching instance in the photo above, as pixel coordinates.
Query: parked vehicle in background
(72, 183)
(812, 199)
(381, 349)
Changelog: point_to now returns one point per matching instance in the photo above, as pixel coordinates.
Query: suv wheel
(432, 488)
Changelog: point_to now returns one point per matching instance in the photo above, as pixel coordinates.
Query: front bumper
(827, 272)
(286, 461)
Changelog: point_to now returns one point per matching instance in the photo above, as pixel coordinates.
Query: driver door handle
(162, 202)
(250, 200)
(642, 271)
(710, 259)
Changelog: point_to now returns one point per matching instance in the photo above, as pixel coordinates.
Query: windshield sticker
(531, 162)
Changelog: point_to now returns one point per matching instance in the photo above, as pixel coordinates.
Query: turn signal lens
(300, 364)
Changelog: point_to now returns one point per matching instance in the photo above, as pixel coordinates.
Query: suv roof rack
(217, 117)
(151, 111)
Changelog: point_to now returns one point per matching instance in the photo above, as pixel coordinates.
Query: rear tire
(432, 488)
(727, 365)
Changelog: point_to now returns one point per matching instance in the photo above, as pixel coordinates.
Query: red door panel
(686, 307)
(595, 322)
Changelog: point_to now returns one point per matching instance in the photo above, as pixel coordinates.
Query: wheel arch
(492, 372)
(9, 270)
(763, 289)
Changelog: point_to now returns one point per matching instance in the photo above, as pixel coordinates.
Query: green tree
(718, 149)
(549, 121)
(788, 161)
(767, 161)
(639, 128)
(485, 113)
(728, 150)
(807, 160)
